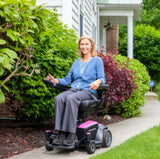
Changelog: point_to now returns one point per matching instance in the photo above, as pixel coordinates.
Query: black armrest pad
(56, 85)
(103, 87)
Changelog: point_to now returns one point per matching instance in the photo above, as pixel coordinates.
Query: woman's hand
(94, 85)
(52, 79)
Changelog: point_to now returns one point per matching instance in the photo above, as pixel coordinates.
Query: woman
(85, 76)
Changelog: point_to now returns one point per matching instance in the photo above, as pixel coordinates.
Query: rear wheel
(90, 147)
(107, 138)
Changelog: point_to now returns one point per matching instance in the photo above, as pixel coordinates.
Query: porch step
(151, 96)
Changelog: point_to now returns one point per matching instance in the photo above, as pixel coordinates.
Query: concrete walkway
(121, 131)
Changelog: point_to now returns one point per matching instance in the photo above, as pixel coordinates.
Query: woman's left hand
(94, 85)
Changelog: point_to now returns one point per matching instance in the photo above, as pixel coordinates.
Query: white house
(91, 17)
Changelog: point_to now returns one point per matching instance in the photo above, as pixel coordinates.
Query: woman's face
(85, 46)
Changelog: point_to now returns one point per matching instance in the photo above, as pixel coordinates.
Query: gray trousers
(66, 109)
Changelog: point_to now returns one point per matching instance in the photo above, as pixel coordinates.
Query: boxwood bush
(40, 44)
(131, 106)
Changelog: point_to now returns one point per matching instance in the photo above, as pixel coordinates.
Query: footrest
(64, 147)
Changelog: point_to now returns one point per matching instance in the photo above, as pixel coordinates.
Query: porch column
(104, 40)
(130, 36)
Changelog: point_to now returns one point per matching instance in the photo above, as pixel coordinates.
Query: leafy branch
(21, 64)
(7, 25)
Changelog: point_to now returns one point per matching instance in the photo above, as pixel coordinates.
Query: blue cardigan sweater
(94, 70)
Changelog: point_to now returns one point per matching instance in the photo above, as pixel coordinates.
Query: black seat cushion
(88, 104)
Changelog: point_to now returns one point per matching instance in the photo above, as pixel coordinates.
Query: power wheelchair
(90, 134)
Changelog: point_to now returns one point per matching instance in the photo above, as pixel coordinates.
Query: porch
(112, 13)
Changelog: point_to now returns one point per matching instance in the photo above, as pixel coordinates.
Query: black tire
(91, 147)
(48, 147)
(107, 138)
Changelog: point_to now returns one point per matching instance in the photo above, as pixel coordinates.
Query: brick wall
(112, 38)
(4, 112)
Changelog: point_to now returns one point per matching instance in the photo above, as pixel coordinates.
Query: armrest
(56, 85)
(103, 87)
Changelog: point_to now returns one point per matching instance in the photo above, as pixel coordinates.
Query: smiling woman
(86, 42)
(85, 76)
(85, 47)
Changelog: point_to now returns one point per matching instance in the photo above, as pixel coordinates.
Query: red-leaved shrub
(120, 79)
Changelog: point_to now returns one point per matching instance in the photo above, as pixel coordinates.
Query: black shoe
(70, 140)
(59, 139)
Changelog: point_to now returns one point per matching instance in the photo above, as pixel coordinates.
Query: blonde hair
(93, 50)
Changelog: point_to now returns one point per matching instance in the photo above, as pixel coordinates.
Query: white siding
(87, 18)
(120, 1)
(52, 4)
(69, 13)
(75, 15)
(49, 2)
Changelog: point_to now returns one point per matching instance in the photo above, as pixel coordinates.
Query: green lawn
(143, 146)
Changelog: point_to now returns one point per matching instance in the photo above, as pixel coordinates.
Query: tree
(151, 13)
(151, 4)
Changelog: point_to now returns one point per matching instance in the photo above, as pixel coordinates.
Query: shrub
(43, 45)
(131, 107)
(121, 81)
(157, 89)
(146, 48)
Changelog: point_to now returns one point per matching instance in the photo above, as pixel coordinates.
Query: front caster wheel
(107, 138)
(48, 146)
(90, 147)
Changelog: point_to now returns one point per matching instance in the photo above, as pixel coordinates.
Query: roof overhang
(120, 11)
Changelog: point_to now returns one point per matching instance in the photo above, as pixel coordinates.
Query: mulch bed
(19, 137)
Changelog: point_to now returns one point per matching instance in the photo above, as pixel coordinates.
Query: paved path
(121, 131)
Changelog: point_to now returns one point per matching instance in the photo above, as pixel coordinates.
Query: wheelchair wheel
(107, 138)
(48, 147)
(91, 147)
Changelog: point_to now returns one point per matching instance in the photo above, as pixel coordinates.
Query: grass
(143, 146)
